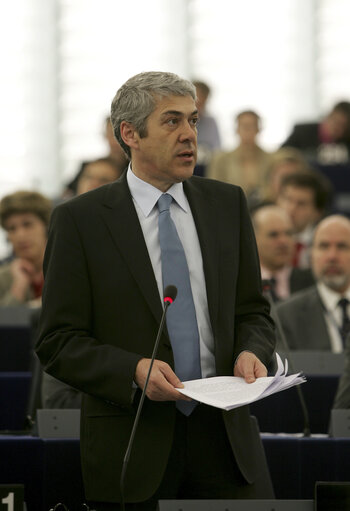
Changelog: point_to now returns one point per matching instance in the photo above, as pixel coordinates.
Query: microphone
(266, 286)
(170, 294)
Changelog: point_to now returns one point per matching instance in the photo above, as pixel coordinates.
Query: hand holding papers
(228, 392)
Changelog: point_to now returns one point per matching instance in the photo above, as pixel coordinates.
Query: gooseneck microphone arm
(170, 293)
(267, 292)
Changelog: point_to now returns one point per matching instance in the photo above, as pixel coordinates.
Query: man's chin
(336, 282)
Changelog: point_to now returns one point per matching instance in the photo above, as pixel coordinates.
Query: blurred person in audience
(97, 173)
(283, 162)
(247, 165)
(116, 158)
(305, 196)
(274, 237)
(25, 217)
(208, 136)
(318, 318)
(327, 141)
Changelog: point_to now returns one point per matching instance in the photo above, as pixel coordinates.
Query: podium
(236, 505)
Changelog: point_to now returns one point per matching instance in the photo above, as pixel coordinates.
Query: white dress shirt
(145, 197)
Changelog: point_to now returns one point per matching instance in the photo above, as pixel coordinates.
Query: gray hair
(137, 98)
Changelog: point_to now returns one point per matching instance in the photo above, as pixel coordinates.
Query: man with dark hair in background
(305, 196)
(118, 247)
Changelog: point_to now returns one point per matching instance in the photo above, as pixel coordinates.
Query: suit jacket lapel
(204, 214)
(121, 218)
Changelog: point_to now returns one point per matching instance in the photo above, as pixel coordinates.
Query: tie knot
(164, 202)
(343, 303)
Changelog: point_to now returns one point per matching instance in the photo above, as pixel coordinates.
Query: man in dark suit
(274, 236)
(103, 302)
(312, 138)
(318, 318)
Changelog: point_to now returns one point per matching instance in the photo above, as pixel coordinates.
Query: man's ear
(129, 134)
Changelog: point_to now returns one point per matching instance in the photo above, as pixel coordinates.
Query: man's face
(330, 255)
(337, 124)
(247, 128)
(167, 154)
(274, 238)
(300, 206)
(27, 234)
(96, 174)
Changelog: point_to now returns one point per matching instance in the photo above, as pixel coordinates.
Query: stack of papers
(228, 392)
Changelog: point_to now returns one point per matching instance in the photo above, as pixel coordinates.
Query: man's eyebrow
(177, 113)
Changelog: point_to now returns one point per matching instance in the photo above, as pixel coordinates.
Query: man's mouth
(186, 155)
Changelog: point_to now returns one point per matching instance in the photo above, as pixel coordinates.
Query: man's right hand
(162, 382)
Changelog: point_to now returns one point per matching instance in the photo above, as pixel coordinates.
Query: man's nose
(188, 132)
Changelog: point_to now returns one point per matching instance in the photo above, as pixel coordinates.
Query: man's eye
(172, 122)
(194, 121)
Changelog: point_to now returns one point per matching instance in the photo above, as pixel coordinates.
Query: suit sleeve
(254, 325)
(66, 347)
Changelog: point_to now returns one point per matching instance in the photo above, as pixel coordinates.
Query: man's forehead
(338, 232)
(181, 104)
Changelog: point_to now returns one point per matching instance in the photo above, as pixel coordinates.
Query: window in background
(333, 49)
(28, 148)
(102, 44)
(255, 55)
(62, 61)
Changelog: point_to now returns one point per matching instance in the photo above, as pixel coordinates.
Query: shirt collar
(279, 274)
(147, 195)
(329, 297)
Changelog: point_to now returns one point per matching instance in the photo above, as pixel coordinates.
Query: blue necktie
(181, 317)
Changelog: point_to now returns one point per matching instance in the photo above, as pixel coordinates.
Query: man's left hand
(249, 367)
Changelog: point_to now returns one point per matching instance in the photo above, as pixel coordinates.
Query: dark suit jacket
(100, 315)
(303, 322)
(300, 278)
(304, 137)
(342, 397)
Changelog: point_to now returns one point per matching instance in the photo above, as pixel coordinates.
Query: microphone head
(170, 293)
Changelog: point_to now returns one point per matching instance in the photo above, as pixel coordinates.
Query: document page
(229, 392)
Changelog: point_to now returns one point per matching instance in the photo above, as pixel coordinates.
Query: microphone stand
(267, 292)
(168, 300)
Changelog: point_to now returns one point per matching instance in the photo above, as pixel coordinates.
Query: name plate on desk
(340, 423)
(58, 423)
(236, 505)
(11, 497)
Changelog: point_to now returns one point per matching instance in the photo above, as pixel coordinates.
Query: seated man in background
(25, 217)
(305, 197)
(247, 165)
(334, 130)
(97, 173)
(318, 318)
(274, 237)
(283, 162)
(116, 157)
